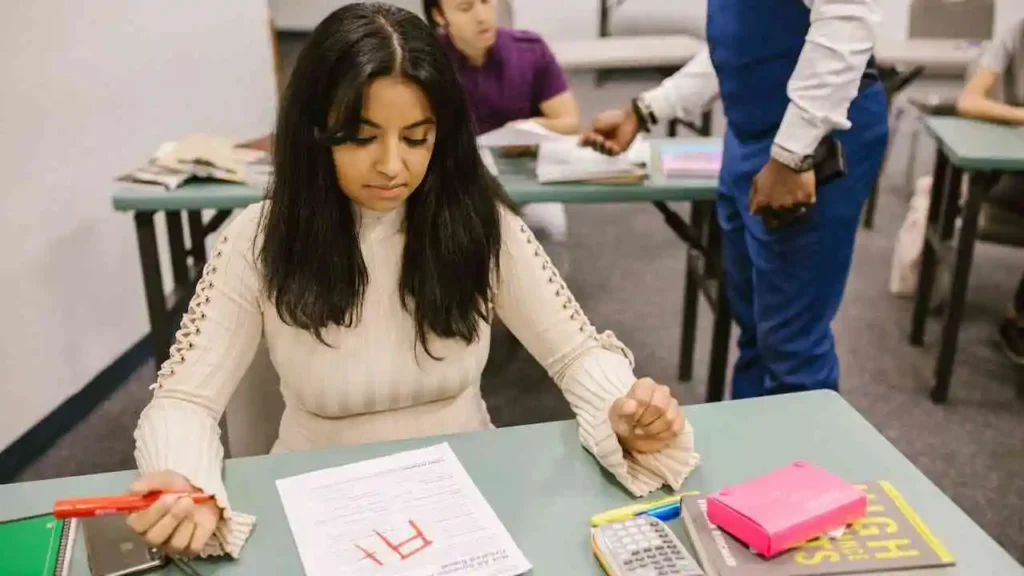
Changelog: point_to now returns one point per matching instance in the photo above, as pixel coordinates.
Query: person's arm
(686, 94)
(592, 369)
(559, 110)
(178, 430)
(560, 114)
(827, 76)
(976, 101)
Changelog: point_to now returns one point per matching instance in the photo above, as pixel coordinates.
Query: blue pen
(665, 513)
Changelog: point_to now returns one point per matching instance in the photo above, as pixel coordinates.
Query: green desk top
(544, 487)
(517, 175)
(978, 145)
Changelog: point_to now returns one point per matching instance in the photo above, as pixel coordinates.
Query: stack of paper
(520, 133)
(416, 513)
(203, 156)
(567, 161)
(697, 160)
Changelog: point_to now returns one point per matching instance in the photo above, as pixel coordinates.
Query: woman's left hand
(647, 418)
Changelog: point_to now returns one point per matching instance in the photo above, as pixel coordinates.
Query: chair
(252, 418)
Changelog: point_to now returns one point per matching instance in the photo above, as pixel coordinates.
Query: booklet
(519, 133)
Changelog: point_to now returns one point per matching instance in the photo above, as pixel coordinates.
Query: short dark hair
(310, 257)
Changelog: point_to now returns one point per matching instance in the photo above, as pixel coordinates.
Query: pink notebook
(786, 507)
(698, 160)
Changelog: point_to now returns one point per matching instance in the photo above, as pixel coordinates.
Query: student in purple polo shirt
(509, 75)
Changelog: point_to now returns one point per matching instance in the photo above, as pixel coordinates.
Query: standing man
(792, 74)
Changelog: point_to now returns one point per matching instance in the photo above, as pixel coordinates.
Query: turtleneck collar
(374, 224)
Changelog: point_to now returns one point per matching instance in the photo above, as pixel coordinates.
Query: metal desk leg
(723, 318)
(950, 207)
(926, 276)
(197, 241)
(961, 277)
(160, 330)
(691, 297)
(869, 208)
(176, 242)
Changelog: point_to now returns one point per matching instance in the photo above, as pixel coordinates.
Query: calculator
(641, 546)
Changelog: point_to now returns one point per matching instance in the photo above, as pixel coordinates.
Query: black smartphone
(113, 549)
(829, 161)
(829, 165)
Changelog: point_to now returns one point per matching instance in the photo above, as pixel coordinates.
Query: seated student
(995, 92)
(509, 75)
(373, 272)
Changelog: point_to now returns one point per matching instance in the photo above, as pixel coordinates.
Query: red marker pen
(104, 505)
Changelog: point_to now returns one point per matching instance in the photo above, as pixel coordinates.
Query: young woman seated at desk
(509, 76)
(374, 271)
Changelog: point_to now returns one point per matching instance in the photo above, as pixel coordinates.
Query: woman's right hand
(612, 131)
(173, 523)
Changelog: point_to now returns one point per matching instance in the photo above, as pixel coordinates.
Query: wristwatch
(796, 162)
(644, 114)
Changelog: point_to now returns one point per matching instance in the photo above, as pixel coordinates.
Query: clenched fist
(647, 418)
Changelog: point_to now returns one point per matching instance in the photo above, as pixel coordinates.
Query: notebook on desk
(39, 545)
(892, 540)
(695, 160)
(567, 161)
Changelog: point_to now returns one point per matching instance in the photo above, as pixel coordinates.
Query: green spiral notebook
(36, 546)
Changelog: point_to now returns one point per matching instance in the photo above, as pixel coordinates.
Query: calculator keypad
(645, 546)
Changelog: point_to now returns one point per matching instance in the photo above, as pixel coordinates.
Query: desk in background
(701, 234)
(544, 486)
(964, 146)
(938, 56)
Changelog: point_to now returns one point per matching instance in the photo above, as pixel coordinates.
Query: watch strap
(797, 162)
(644, 114)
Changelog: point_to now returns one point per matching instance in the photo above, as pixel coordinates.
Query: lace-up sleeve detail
(591, 368)
(179, 429)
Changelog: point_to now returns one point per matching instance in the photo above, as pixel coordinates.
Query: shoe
(1011, 336)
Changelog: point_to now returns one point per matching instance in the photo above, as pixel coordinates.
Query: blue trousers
(785, 286)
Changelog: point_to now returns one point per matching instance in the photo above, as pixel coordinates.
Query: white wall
(304, 15)
(90, 90)
(1008, 11)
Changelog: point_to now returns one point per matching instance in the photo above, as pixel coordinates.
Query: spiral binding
(66, 546)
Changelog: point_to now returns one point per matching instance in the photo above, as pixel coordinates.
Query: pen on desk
(636, 509)
(666, 512)
(104, 505)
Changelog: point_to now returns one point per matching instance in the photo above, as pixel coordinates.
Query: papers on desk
(567, 161)
(203, 156)
(520, 133)
(415, 513)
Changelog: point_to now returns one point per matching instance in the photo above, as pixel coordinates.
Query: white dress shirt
(827, 77)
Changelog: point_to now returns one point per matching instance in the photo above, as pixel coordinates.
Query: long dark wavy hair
(310, 258)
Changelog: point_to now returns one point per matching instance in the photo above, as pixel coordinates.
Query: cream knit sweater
(370, 385)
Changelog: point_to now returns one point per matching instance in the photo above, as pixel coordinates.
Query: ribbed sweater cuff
(180, 439)
(591, 388)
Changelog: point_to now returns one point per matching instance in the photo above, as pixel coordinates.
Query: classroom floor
(627, 273)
